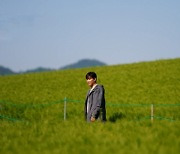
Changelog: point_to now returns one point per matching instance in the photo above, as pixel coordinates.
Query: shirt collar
(93, 87)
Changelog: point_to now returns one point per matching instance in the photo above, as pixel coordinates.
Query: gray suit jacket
(97, 108)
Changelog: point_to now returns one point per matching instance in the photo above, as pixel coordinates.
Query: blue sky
(54, 33)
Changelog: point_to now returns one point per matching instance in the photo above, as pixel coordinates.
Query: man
(95, 101)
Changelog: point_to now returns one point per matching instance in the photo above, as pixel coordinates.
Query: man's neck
(93, 86)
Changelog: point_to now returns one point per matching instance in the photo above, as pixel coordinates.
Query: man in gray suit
(94, 108)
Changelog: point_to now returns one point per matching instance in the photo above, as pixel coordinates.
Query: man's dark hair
(91, 75)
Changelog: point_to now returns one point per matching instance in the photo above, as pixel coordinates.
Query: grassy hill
(31, 110)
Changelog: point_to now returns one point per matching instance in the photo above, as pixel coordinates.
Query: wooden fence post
(65, 101)
(152, 112)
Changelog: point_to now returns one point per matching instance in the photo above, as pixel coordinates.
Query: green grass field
(32, 106)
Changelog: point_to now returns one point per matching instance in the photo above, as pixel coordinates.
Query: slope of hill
(39, 69)
(80, 64)
(84, 63)
(32, 110)
(5, 71)
(155, 81)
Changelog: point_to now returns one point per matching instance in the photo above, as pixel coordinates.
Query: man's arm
(98, 97)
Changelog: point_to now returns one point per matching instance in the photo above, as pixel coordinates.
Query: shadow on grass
(116, 116)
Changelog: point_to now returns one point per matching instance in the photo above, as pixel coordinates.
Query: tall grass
(32, 106)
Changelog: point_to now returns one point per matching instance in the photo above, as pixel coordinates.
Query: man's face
(91, 81)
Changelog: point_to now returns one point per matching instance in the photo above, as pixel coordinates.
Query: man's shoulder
(100, 87)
